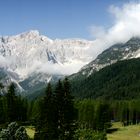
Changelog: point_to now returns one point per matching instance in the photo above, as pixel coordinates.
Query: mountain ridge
(117, 52)
(29, 55)
(32, 60)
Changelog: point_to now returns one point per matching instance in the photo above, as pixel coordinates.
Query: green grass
(30, 131)
(131, 132)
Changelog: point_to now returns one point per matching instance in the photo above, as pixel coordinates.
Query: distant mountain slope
(117, 81)
(128, 50)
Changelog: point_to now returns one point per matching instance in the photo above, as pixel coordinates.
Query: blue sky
(55, 18)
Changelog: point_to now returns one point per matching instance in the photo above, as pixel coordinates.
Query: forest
(119, 81)
(58, 115)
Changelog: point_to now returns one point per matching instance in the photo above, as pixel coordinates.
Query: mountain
(117, 81)
(92, 77)
(117, 52)
(31, 60)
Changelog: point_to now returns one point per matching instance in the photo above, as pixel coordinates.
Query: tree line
(119, 81)
(59, 116)
(98, 114)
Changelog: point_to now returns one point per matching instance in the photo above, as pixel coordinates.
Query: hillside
(117, 81)
(117, 52)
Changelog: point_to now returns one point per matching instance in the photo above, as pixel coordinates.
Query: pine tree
(51, 115)
(2, 113)
(59, 96)
(102, 117)
(69, 112)
(47, 121)
(1, 105)
(57, 113)
(11, 103)
(66, 111)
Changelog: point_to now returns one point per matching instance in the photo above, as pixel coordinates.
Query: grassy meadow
(30, 131)
(131, 132)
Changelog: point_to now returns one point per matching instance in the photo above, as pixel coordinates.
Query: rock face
(29, 58)
(117, 52)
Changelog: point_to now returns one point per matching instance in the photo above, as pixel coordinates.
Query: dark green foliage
(66, 110)
(47, 120)
(128, 112)
(102, 116)
(88, 134)
(2, 111)
(11, 99)
(12, 107)
(94, 115)
(117, 81)
(57, 114)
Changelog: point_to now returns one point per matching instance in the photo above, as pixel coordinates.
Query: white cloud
(65, 69)
(126, 25)
(51, 68)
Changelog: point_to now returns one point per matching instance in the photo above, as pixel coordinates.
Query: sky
(56, 18)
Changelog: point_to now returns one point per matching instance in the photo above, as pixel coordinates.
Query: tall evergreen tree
(69, 112)
(2, 113)
(59, 96)
(51, 115)
(56, 117)
(47, 121)
(1, 105)
(102, 116)
(11, 103)
(66, 110)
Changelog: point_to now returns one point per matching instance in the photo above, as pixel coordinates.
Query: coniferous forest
(59, 116)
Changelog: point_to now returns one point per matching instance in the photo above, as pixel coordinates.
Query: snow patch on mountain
(128, 50)
(31, 52)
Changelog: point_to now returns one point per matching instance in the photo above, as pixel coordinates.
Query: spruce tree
(65, 109)
(69, 112)
(11, 103)
(51, 115)
(57, 113)
(102, 117)
(59, 96)
(47, 120)
(2, 113)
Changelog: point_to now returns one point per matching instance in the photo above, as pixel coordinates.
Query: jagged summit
(31, 33)
(30, 53)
